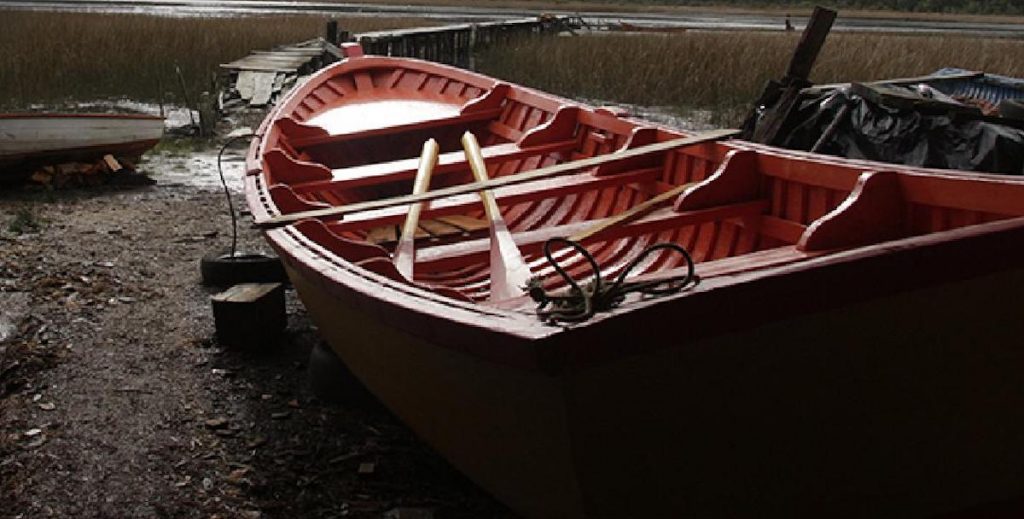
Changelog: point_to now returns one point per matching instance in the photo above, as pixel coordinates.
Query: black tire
(1012, 109)
(221, 269)
(332, 381)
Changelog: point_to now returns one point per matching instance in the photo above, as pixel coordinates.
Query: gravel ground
(117, 401)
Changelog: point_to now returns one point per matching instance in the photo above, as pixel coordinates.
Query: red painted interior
(750, 199)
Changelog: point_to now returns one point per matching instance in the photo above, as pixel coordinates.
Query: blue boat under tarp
(988, 87)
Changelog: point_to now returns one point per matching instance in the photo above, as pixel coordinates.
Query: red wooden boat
(853, 346)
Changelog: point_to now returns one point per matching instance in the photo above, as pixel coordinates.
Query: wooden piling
(331, 32)
(786, 93)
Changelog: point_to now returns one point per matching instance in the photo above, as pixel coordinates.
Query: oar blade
(405, 258)
(509, 272)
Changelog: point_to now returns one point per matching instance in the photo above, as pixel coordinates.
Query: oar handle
(476, 162)
(631, 213)
(428, 160)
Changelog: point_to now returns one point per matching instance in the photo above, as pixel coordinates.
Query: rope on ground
(580, 303)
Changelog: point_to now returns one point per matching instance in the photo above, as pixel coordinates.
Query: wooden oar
(509, 272)
(508, 180)
(405, 253)
(632, 213)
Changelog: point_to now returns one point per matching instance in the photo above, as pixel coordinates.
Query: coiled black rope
(580, 303)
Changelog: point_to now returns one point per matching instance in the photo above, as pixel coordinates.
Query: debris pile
(108, 170)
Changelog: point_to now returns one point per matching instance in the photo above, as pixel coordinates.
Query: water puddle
(197, 168)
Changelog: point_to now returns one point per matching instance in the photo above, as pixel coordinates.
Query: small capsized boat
(29, 140)
(776, 333)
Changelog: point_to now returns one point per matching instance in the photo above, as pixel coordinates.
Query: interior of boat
(739, 206)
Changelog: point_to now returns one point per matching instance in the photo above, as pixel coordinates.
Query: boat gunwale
(411, 308)
(871, 165)
(555, 349)
(799, 283)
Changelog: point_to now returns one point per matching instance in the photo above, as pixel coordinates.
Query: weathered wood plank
(245, 84)
(263, 88)
(795, 80)
(266, 68)
(810, 44)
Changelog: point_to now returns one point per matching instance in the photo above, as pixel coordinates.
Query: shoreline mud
(117, 401)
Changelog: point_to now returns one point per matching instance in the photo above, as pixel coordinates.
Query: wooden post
(207, 114)
(471, 43)
(811, 41)
(331, 32)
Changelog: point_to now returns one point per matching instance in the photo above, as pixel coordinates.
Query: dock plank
(245, 84)
(264, 88)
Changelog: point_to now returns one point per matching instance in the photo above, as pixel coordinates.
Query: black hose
(227, 193)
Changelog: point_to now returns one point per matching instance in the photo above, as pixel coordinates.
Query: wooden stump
(250, 315)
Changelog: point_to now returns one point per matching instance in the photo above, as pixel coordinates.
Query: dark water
(696, 20)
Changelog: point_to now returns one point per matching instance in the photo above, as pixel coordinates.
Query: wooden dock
(258, 79)
(455, 44)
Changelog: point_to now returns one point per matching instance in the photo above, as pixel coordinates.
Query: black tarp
(890, 128)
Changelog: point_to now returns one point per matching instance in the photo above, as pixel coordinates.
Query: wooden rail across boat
(853, 347)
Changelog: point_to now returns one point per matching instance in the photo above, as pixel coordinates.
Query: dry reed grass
(725, 71)
(65, 57)
(53, 57)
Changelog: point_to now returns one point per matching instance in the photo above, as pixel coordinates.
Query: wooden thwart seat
(405, 169)
(307, 138)
(440, 227)
(532, 241)
(539, 177)
(508, 195)
(555, 136)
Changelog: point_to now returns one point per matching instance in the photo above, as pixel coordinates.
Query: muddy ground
(116, 399)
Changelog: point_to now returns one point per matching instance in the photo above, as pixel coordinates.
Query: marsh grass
(725, 71)
(52, 58)
(66, 57)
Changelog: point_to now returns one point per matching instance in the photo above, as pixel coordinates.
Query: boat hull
(28, 140)
(898, 404)
(849, 350)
